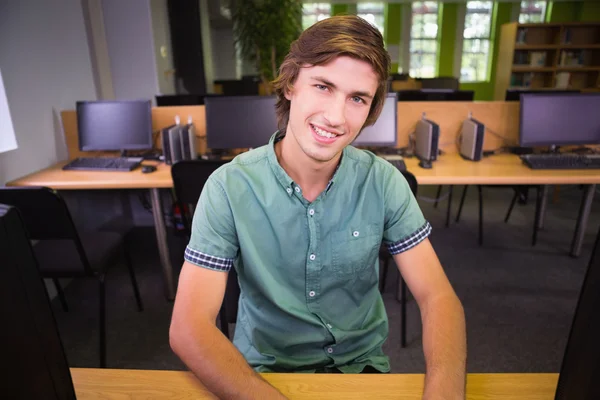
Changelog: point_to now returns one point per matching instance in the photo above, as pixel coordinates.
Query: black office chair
(189, 178)
(520, 190)
(63, 252)
(386, 257)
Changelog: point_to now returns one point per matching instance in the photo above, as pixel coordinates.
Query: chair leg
(437, 196)
(224, 319)
(462, 202)
(538, 206)
(480, 190)
(450, 189)
(512, 205)
(102, 320)
(136, 290)
(403, 315)
(61, 294)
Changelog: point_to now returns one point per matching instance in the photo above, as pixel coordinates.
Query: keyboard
(562, 161)
(396, 160)
(104, 164)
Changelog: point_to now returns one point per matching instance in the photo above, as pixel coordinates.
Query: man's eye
(357, 99)
(321, 87)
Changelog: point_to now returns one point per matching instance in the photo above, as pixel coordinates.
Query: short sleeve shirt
(308, 271)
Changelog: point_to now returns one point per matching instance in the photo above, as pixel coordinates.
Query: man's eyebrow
(333, 86)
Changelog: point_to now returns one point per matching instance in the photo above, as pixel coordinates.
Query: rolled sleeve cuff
(207, 261)
(410, 241)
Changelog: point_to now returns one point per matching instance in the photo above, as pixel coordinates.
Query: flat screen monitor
(114, 125)
(234, 122)
(35, 365)
(436, 95)
(384, 131)
(515, 94)
(559, 119)
(166, 100)
(580, 370)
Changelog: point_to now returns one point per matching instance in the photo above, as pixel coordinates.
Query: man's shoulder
(367, 159)
(243, 165)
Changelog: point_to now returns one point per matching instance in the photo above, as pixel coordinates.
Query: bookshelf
(551, 56)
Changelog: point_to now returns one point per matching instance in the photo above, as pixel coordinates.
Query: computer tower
(471, 140)
(187, 139)
(166, 144)
(427, 136)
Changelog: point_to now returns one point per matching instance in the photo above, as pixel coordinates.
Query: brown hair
(346, 35)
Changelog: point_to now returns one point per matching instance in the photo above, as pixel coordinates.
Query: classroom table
(449, 169)
(115, 384)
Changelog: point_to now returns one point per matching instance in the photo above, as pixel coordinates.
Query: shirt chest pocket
(355, 250)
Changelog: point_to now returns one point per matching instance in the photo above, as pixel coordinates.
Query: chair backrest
(36, 365)
(44, 212)
(45, 215)
(412, 181)
(189, 178)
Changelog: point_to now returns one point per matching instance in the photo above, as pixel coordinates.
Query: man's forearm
(220, 366)
(445, 348)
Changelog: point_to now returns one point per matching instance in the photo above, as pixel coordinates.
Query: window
(532, 11)
(7, 132)
(476, 42)
(313, 12)
(423, 39)
(372, 12)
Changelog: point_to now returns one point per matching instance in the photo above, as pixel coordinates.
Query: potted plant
(263, 31)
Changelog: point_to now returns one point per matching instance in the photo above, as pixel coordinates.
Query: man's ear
(288, 92)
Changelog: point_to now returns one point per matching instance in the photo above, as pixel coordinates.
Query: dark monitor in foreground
(580, 371)
(559, 119)
(239, 121)
(384, 131)
(436, 95)
(515, 94)
(35, 366)
(114, 125)
(179, 100)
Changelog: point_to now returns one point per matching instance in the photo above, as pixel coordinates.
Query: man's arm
(202, 347)
(443, 318)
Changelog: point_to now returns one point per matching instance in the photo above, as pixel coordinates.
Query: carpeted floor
(519, 300)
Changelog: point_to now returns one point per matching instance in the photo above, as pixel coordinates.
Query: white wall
(45, 61)
(224, 54)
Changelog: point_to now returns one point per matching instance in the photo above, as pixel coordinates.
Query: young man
(302, 219)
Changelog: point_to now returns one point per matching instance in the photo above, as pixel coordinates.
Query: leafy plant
(263, 31)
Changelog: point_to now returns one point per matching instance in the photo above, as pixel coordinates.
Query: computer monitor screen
(436, 95)
(179, 100)
(114, 125)
(383, 132)
(239, 121)
(580, 370)
(35, 366)
(515, 94)
(559, 119)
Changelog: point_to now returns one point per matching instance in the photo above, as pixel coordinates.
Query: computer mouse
(146, 169)
(425, 164)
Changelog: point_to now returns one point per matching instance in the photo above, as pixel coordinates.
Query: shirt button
(355, 233)
(329, 326)
(289, 190)
(329, 350)
(312, 257)
(297, 189)
(311, 211)
(311, 293)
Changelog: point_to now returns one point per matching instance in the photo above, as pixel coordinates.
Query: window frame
(421, 53)
(326, 11)
(486, 38)
(531, 12)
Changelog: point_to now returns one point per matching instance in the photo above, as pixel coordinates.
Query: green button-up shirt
(308, 271)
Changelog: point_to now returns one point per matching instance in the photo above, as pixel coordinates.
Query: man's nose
(335, 114)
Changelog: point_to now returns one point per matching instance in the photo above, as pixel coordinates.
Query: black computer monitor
(166, 100)
(114, 125)
(580, 370)
(559, 119)
(383, 132)
(436, 95)
(35, 366)
(239, 121)
(515, 94)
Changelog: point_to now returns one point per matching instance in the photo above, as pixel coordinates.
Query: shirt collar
(284, 179)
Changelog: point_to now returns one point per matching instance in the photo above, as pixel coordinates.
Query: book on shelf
(537, 58)
(521, 35)
(562, 80)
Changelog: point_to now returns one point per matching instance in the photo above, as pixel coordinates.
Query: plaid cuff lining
(208, 261)
(410, 241)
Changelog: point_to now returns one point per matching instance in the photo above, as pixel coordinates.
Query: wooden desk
(109, 384)
(450, 169)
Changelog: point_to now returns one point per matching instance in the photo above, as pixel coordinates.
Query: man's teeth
(326, 134)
